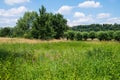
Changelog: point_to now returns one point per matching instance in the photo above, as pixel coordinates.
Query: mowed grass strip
(73, 60)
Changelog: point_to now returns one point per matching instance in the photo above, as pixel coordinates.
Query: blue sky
(75, 11)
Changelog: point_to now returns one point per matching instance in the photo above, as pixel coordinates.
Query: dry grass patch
(23, 40)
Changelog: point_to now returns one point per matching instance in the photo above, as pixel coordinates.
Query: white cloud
(4, 22)
(86, 19)
(113, 20)
(12, 2)
(10, 16)
(80, 18)
(65, 9)
(89, 4)
(79, 14)
(103, 15)
(7, 20)
(13, 11)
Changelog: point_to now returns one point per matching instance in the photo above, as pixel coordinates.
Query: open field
(59, 60)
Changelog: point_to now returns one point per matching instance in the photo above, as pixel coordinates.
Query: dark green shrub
(66, 35)
(85, 35)
(92, 35)
(117, 35)
(78, 36)
(71, 35)
(27, 35)
(5, 32)
(102, 35)
(109, 35)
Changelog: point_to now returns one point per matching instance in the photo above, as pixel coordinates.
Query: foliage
(85, 35)
(24, 24)
(92, 35)
(96, 27)
(117, 35)
(78, 36)
(102, 35)
(46, 26)
(110, 35)
(71, 60)
(70, 35)
(59, 25)
(6, 32)
(42, 26)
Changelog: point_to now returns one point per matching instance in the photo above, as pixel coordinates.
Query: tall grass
(60, 61)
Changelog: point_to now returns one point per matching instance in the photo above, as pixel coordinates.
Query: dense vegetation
(60, 61)
(100, 35)
(69, 60)
(46, 26)
(96, 27)
(42, 25)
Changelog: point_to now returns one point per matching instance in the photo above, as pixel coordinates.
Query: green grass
(60, 61)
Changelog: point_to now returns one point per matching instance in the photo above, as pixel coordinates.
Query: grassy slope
(60, 61)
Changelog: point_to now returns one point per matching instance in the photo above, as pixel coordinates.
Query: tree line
(42, 25)
(96, 27)
(100, 35)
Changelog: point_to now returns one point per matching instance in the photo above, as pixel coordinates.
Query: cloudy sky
(75, 11)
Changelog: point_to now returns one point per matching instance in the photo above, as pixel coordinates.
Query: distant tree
(85, 35)
(116, 26)
(6, 32)
(71, 35)
(78, 36)
(110, 35)
(96, 27)
(92, 35)
(117, 35)
(102, 35)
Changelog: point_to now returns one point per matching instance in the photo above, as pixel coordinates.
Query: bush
(78, 36)
(71, 35)
(92, 35)
(27, 35)
(117, 35)
(5, 32)
(85, 35)
(102, 35)
(66, 35)
(110, 35)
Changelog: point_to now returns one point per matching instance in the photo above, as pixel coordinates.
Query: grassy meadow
(22, 59)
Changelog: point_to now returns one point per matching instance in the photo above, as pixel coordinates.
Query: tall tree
(25, 23)
(42, 25)
(59, 25)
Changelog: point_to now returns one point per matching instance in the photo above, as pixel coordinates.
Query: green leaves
(42, 25)
(5, 32)
(117, 35)
(92, 35)
(25, 23)
(71, 60)
(85, 35)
